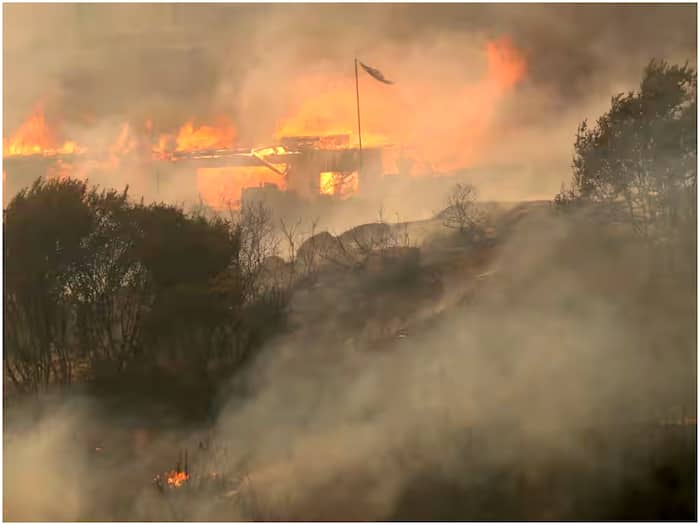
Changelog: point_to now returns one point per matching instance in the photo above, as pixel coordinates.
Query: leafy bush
(96, 281)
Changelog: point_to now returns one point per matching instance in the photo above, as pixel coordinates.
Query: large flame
(34, 137)
(221, 188)
(325, 105)
(191, 138)
(437, 124)
(445, 124)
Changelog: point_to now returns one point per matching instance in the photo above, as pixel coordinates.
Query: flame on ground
(177, 479)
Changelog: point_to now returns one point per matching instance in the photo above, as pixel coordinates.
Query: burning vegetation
(175, 478)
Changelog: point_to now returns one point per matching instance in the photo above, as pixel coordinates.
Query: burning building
(202, 162)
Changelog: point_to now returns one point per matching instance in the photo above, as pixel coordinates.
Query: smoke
(539, 351)
(508, 373)
(500, 87)
(44, 468)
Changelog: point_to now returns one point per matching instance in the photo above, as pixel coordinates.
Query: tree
(94, 279)
(184, 258)
(463, 212)
(109, 285)
(254, 228)
(638, 162)
(44, 228)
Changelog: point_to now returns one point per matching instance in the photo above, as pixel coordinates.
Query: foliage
(108, 284)
(44, 228)
(463, 213)
(95, 280)
(638, 162)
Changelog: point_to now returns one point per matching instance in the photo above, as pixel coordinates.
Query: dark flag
(375, 73)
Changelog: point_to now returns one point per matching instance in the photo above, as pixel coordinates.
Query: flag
(375, 73)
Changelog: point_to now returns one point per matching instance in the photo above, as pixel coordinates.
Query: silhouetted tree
(44, 227)
(108, 285)
(94, 279)
(638, 163)
(253, 225)
(182, 257)
(463, 213)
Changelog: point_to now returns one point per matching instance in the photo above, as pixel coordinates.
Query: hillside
(534, 358)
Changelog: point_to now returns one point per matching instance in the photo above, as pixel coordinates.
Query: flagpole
(359, 128)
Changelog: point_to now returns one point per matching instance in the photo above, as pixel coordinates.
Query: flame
(125, 142)
(34, 137)
(446, 124)
(326, 183)
(191, 138)
(326, 108)
(437, 124)
(177, 479)
(506, 66)
(163, 148)
(223, 187)
(338, 184)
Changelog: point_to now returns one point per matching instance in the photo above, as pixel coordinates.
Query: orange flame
(506, 66)
(125, 143)
(326, 184)
(444, 124)
(191, 138)
(221, 188)
(34, 137)
(338, 184)
(177, 479)
(162, 149)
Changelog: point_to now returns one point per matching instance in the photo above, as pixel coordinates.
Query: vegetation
(99, 285)
(463, 212)
(638, 163)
